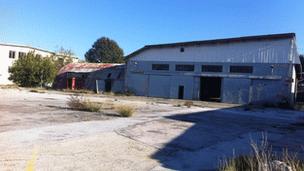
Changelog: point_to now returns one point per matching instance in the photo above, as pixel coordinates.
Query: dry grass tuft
(79, 91)
(125, 110)
(37, 91)
(263, 159)
(188, 104)
(78, 102)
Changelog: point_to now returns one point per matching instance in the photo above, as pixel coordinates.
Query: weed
(78, 102)
(125, 110)
(263, 159)
(92, 106)
(188, 104)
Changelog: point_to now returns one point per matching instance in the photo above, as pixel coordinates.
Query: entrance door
(210, 89)
(108, 85)
(180, 92)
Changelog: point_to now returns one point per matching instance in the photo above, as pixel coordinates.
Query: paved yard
(37, 130)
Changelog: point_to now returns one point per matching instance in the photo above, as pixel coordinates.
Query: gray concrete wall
(235, 90)
(180, 80)
(137, 83)
(267, 83)
(259, 69)
(117, 86)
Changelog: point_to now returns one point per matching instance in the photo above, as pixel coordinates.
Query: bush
(91, 106)
(32, 71)
(125, 110)
(75, 102)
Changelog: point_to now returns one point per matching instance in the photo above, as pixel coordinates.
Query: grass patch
(125, 110)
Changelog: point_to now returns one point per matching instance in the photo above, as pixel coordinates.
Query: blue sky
(76, 24)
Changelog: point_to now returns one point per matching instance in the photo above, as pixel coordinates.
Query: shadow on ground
(224, 133)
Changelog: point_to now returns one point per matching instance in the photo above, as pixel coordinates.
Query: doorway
(210, 89)
(180, 92)
(108, 85)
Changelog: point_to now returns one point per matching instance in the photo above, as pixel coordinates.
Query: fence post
(97, 91)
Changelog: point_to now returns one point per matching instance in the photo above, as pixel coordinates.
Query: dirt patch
(22, 109)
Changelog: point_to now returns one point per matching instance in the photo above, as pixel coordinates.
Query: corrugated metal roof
(214, 41)
(85, 67)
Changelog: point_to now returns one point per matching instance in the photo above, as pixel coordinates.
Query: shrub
(75, 102)
(125, 110)
(91, 106)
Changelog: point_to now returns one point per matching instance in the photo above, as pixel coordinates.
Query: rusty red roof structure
(85, 67)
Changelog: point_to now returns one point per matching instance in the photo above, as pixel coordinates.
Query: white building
(11, 52)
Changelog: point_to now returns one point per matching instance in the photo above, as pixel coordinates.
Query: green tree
(105, 50)
(32, 71)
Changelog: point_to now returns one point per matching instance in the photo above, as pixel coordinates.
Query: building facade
(10, 53)
(253, 69)
(111, 79)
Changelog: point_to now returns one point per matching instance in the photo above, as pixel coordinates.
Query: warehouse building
(253, 69)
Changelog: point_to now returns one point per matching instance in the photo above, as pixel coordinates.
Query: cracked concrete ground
(161, 136)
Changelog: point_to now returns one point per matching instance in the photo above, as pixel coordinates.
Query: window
(12, 54)
(184, 67)
(163, 67)
(241, 69)
(182, 49)
(21, 54)
(212, 68)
